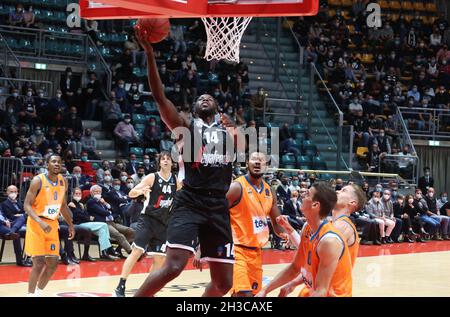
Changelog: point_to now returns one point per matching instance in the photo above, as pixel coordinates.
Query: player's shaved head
(257, 164)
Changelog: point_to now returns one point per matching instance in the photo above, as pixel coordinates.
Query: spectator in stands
(177, 35)
(72, 120)
(383, 142)
(130, 185)
(16, 17)
(125, 134)
(375, 156)
(86, 166)
(120, 95)
(257, 103)
(57, 105)
(92, 96)
(9, 231)
(441, 202)
(136, 51)
(166, 143)
(370, 231)
(101, 211)
(112, 113)
(398, 206)
(79, 179)
(442, 97)
(118, 168)
(132, 165)
(91, 28)
(376, 211)
(30, 159)
(413, 211)
(295, 184)
(435, 213)
(432, 225)
(89, 144)
(445, 208)
(283, 191)
(355, 106)
(68, 161)
(189, 85)
(443, 54)
(165, 76)
(389, 214)
(72, 142)
(426, 181)
(292, 209)
(69, 86)
(149, 166)
(139, 175)
(136, 104)
(106, 166)
(152, 134)
(173, 65)
(81, 219)
(123, 181)
(119, 201)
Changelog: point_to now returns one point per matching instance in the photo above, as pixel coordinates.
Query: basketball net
(224, 37)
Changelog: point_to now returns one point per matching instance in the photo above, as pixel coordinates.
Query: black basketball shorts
(151, 235)
(201, 219)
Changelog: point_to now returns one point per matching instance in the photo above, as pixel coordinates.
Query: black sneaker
(119, 292)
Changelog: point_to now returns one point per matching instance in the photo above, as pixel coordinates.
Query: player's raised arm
(169, 113)
(143, 187)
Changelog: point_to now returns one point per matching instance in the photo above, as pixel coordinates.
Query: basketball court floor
(389, 270)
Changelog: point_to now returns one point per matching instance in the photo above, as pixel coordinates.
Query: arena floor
(388, 270)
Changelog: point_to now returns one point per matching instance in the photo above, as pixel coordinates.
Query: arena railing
(404, 165)
(10, 173)
(53, 47)
(47, 86)
(9, 60)
(437, 122)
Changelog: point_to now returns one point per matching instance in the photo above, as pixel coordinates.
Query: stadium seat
(431, 7)
(298, 128)
(407, 5)
(288, 161)
(139, 128)
(304, 162)
(319, 164)
(419, 6)
(309, 146)
(151, 151)
(138, 151)
(395, 5)
(139, 118)
(150, 106)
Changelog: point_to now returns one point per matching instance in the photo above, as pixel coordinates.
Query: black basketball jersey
(161, 197)
(208, 165)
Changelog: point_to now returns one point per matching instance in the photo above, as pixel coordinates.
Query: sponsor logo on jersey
(259, 224)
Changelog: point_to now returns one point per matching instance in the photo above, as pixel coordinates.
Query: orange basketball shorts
(39, 243)
(247, 270)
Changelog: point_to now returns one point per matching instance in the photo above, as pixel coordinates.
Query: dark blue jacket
(97, 210)
(10, 209)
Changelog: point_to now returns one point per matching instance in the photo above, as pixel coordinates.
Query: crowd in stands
(374, 70)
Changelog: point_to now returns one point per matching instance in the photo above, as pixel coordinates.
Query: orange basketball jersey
(249, 216)
(341, 282)
(50, 197)
(353, 249)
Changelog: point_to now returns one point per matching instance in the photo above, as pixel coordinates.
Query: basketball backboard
(130, 9)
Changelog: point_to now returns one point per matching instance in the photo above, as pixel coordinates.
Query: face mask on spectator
(29, 93)
(77, 175)
(12, 196)
(133, 88)
(378, 188)
(410, 201)
(15, 94)
(77, 198)
(130, 185)
(38, 132)
(127, 121)
(108, 178)
(376, 199)
(419, 196)
(431, 195)
(41, 95)
(295, 183)
(444, 199)
(121, 86)
(117, 187)
(98, 196)
(84, 158)
(147, 161)
(386, 197)
(58, 95)
(177, 89)
(123, 179)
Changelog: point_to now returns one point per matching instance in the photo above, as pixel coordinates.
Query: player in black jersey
(200, 208)
(159, 189)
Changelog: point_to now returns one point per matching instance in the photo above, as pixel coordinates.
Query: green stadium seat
(288, 160)
(138, 151)
(304, 162)
(139, 128)
(308, 145)
(151, 151)
(139, 118)
(150, 106)
(318, 163)
(296, 128)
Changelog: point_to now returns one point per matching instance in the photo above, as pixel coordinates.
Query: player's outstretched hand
(283, 221)
(146, 190)
(286, 290)
(141, 36)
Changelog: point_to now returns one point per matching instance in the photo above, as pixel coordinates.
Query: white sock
(31, 295)
(38, 292)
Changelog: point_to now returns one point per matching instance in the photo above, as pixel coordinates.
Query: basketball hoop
(224, 37)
